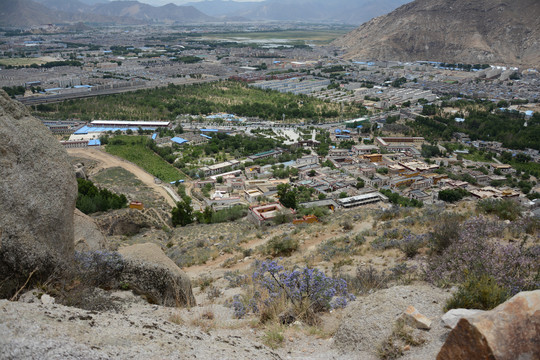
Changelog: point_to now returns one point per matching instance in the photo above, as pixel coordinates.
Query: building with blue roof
(209, 130)
(154, 136)
(178, 140)
(206, 136)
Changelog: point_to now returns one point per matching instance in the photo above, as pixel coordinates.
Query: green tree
(287, 196)
(182, 214)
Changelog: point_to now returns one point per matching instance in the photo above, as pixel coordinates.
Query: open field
(132, 148)
(26, 61)
(314, 36)
(104, 160)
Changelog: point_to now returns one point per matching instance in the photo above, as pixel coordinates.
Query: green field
(311, 36)
(24, 61)
(133, 148)
(199, 99)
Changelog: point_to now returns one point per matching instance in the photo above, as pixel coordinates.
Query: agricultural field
(318, 37)
(25, 61)
(134, 149)
(121, 181)
(199, 99)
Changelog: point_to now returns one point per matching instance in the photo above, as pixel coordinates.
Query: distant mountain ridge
(29, 13)
(343, 11)
(464, 31)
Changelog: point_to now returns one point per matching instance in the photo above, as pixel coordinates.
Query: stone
(37, 193)
(370, 319)
(510, 331)
(451, 318)
(415, 319)
(87, 235)
(47, 299)
(149, 272)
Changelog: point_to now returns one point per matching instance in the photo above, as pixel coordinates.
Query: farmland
(134, 149)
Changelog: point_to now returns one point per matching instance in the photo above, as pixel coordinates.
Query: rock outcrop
(87, 235)
(37, 197)
(510, 331)
(140, 332)
(459, 31)
(369, 320)
(149, 272)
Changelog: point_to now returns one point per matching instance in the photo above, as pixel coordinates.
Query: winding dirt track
(106, 161)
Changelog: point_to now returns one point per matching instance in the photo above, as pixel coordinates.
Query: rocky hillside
(464, 31)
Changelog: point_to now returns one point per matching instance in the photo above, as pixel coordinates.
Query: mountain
(140, 11)
(222, 8)
(342, 11)
(23, 13)
(464, 31)
(26, 13)
(70, 6)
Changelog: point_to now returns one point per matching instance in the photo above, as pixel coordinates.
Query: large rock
(149, 272)
(135, 332)
(87, 235)
(510, 331)
(452, 317)
(37, 197)
(370, 319)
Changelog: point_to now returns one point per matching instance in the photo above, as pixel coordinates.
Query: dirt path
(106, 161)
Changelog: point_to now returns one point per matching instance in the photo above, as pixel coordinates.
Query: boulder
(37, 193)
(149, 272)
(370, 319)
(452, 317)
(415, 319)
(510, 331)
(87, 235)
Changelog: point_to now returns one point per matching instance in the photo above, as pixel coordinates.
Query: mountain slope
(344, 11)
(27, 13)
(137, 10)
(480, 31)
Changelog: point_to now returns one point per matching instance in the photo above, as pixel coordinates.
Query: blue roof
(179, 140)
(206, 136)
(87, 129)
(209, 130)
(177, 181)
(343, 136)
(95, 142)
(359, 127)
(346, 131)
(337, 131)
(154, 136)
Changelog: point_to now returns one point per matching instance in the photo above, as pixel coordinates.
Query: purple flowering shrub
(477, 253)
(305, 290)
(98, 268)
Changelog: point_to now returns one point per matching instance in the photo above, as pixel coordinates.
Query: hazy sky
(179, 2)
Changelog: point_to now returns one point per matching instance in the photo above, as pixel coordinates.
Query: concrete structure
(363, 199)
(219, 168)
(264, 213)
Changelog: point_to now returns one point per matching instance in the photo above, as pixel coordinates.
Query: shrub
(343, 246)
(367, 280)
(91, 199)
(307, 290)
(281, 246)
(98, 268)
(410, 244)
(475, 253)
(452, 195)
(445, 232)
(478, 293)
(505, 209)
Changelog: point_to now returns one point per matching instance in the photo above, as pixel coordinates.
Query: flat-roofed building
(363, 199)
